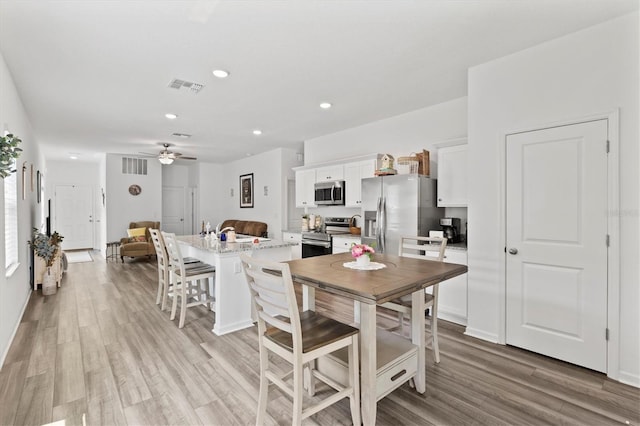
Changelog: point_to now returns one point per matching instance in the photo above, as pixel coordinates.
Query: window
(11, 220)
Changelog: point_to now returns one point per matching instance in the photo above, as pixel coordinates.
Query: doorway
(178, 206)
(74, 216)
(556, 242)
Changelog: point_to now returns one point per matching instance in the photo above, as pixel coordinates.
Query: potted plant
(46, 248)
(362, 253)
(9, 151)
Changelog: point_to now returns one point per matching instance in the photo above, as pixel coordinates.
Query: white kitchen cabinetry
(305, 180)
(329, 173)
(343, 244)
(353, 174)
(452, 300)
(294, 237)
(452, 176)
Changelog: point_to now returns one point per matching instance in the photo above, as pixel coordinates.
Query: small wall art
(246, 191)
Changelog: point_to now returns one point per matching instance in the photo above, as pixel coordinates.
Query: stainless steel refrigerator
(398, 206)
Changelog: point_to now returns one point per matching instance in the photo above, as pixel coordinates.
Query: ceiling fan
(167, 157)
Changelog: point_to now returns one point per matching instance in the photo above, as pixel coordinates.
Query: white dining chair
(427, 248)
(164, 281)
(190, 283)
(297, 338)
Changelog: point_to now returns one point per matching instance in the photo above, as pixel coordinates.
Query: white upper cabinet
(305, 180)
(353, 174)
(452, 176)
(330, 173)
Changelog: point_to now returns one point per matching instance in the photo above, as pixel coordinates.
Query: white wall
(593, 71)
(101, 203)
(400, 135)
(210, 194)
(270, 169)
(16, 289)
(123, 207)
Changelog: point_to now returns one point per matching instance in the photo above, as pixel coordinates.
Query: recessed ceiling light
(171, 116)
(257, 132)
(325, 105)
(221, 73)
(73, 157)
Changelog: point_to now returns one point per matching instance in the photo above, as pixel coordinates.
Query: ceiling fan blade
(187, 158)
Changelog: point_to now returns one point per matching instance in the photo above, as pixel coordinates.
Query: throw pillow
(137, 235)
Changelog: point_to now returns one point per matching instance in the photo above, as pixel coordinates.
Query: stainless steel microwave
(329, 193)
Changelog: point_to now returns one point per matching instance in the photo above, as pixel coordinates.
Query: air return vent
(185, 86)
(134, 166)
(181, 135)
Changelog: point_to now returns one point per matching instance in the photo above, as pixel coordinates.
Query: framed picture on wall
(39, 185)
(246, 191)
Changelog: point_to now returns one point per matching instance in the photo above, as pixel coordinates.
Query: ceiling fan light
(165, 160)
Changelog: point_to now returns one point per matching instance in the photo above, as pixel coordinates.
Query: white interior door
(173, 209)
(74, 216)
(556, 240)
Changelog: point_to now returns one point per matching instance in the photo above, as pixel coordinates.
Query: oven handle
(324, 244)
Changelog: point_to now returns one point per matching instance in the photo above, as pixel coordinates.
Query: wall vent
(181, 135)
(186, 86)
(134, 166)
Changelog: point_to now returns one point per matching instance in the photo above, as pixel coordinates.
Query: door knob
(513, 251)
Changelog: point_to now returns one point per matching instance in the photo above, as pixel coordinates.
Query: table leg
(368, 363)
(309, 304)
(308, 298)
(356, 312)
(417, 337)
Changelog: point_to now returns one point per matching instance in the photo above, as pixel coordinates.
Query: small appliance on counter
(451, 229)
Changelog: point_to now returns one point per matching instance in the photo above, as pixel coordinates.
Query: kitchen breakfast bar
(232, 304)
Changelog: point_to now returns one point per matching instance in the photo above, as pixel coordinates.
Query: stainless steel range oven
(319, 243)
(315, 245)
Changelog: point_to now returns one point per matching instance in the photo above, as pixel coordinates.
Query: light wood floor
(102, 347)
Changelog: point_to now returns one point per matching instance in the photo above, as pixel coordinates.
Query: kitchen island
(232, 304)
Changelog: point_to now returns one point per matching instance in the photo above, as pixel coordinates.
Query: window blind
(11, 220)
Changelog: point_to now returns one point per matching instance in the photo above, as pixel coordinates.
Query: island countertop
(243, 243)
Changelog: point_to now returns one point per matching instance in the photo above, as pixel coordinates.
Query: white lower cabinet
(294, 237)
(343, 244)
(452, 301)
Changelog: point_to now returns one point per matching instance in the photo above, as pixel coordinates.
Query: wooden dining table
(400, 276)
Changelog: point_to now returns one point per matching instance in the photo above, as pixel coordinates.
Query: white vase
(49, 282)
(363, 260)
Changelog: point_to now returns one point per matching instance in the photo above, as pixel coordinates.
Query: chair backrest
(429, 248)
(158, 244)
(273, 296)
(174, 256)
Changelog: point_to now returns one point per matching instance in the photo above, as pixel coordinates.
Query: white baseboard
(483, 335)
(15, 330)
(629, 379)
(452, 317)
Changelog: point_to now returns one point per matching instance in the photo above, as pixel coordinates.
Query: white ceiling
(94, 75)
